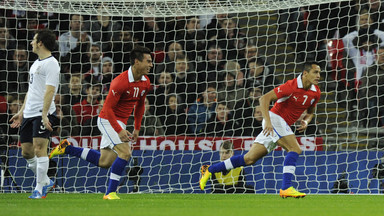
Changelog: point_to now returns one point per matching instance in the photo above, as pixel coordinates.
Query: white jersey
(43, 72)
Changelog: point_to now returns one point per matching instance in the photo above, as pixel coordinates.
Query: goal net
(212, 60)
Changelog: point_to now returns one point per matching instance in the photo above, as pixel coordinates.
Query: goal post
(240, 49)
(163, 8)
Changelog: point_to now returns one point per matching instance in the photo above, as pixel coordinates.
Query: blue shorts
(33, 127)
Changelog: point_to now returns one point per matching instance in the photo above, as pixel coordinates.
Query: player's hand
(125, 136)
(268, 129)
(46, 123)
(303, 126)
(16, 120)
(135, 135)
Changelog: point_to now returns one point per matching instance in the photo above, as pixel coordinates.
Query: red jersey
(85, 111)
(293, 99)
(124, 95)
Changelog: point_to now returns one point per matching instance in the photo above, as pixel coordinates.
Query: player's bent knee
(257, 151)
(105, 164)
(27, 155)
(250, 159)
(125, 155)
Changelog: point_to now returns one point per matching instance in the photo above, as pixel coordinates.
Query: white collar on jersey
(130, 76)
(300, 84)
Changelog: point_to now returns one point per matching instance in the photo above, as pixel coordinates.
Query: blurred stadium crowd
(208, 72)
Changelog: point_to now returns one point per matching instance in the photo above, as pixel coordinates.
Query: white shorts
(280, 130)
(109, 137)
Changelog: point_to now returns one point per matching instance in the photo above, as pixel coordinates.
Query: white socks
(32, 164)
(84, 153)
(41, 173)
(228, 164)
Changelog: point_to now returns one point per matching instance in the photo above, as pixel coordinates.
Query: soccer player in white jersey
(37, 115)
(292, 99)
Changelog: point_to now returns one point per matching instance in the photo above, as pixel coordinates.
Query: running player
(292, 99)
(127, 93)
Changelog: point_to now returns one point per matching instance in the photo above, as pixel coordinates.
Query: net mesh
(225, 52)
(160, 8)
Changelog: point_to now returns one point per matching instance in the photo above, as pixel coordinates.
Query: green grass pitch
(191, 204)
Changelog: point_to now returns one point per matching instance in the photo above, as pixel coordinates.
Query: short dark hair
(48, 38)
(255, 86)
(213, 46)
(211, 85)
(21, 46)
(178, 99)
(138, 53)
(72, 15)
(93, 84)
(181, 57)
(308, 66)
(222, 102)
(227, 145)
(96, 44)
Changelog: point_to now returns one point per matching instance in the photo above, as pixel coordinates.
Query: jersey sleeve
(112, 99)
(140, 109)
(284, 90)
(139, 112)
(53, 73)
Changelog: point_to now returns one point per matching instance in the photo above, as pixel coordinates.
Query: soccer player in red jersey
(292, 99)
(127, 93)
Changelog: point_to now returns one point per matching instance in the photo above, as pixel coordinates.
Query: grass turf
(191, 204)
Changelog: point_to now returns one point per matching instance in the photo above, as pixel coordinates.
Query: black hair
(178, 99)
(138, 53)
(222, 102)
(72, 15)
(94, 84)
(308, 65)
(181, 57)
(213, 46)
(255, 86)
(22, 46)
(48, 38)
